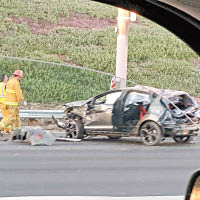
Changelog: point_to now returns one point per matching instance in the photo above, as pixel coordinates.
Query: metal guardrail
(41, 114)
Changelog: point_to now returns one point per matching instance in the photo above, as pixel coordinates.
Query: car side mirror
(193, 189)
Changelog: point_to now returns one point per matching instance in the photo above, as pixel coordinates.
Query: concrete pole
(122, 47)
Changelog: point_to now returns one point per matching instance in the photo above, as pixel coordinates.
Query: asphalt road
(97, 166)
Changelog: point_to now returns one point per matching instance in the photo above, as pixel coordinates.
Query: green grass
(51, 9)
(47, 83)
(156, 57)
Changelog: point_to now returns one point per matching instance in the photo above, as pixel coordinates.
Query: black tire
(114, 137)
(182, 139)
(150, 133)
(75, 130)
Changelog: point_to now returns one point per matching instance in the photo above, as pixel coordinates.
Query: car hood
(75, 104)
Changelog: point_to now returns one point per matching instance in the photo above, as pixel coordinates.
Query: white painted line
(93, 198)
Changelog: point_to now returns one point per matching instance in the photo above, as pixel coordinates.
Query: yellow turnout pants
(3, 109)
(10, 118)
(4, 113)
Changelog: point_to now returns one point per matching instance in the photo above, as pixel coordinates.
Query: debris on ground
(33, 135)
(68, 139)
(4, 137)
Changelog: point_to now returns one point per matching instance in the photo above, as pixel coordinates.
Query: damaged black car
(149, 113)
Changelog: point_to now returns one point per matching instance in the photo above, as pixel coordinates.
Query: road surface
(97, 167)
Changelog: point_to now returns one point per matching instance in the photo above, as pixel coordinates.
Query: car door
(99, 115)
(127, 110)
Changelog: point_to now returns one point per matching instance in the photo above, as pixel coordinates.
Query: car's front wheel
(75, 129)
(151, 133)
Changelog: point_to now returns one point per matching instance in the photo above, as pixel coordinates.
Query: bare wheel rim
(72, 130)
(149, 133)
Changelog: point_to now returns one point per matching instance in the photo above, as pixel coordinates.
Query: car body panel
(100, 115)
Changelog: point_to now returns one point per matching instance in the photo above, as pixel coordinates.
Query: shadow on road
(134, 141)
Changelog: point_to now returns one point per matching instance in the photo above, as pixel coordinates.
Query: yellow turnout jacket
(13, 92)
(2, 92)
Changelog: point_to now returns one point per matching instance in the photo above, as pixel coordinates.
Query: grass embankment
(156, 57)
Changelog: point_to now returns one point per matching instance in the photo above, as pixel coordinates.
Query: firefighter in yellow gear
(3, 81)
(13, 96)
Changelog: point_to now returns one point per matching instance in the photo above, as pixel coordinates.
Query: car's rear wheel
(75, 130)
(182, 139)
(151, 133)
(114, 137)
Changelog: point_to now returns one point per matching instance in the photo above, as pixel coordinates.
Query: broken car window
(136, 98)
(111, 98)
